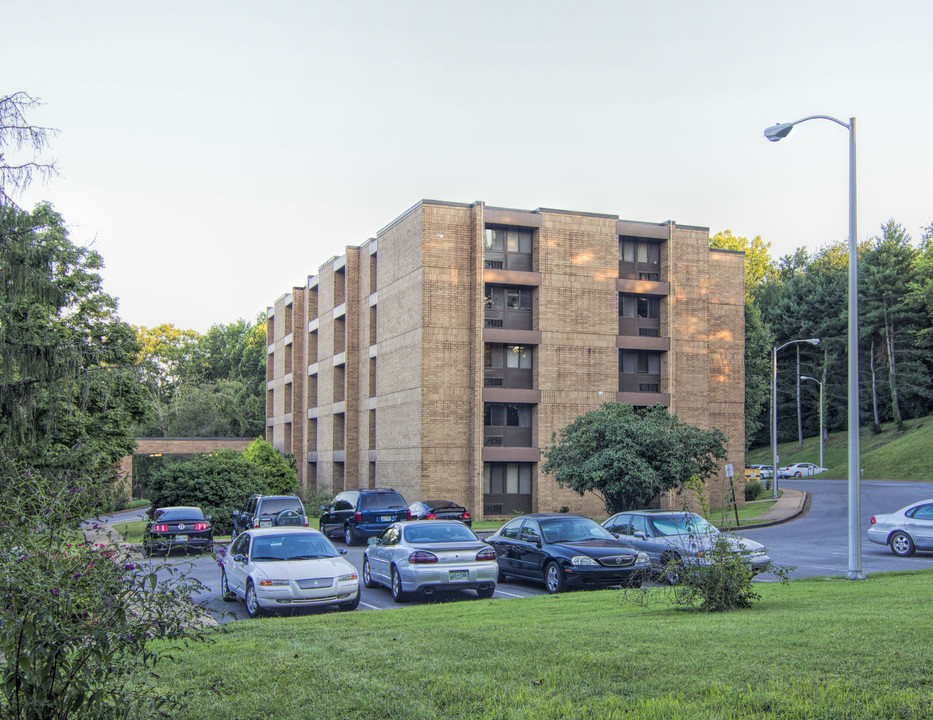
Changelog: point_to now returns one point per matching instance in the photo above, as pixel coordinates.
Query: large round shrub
(218, 482)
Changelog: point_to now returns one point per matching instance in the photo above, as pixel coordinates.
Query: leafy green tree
(274, 467)
(627, 457)
(68, 382)
(218, 482)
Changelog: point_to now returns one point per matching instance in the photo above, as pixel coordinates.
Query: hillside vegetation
(888, 455)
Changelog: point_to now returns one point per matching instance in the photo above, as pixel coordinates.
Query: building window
(639, 361)
(508, 307)
(509, 366)
(639, 258)
(506, 488)
(508, 248)
(507, 425)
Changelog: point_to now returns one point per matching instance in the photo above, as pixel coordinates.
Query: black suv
(268, 511)
(363, 513)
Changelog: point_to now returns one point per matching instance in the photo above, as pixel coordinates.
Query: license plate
(385, 518)
(265, 523)
(459, 575)
(181, 538)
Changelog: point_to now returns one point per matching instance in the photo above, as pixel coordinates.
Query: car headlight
(347, 578)
(642, 559)
(583, 560)
(270, 583)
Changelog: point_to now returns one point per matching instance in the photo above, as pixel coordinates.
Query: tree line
(805, 295)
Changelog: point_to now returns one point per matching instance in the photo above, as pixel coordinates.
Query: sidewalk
(792, 504)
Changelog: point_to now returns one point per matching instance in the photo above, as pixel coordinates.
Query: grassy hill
(889, 455)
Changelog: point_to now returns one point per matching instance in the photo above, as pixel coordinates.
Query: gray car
(905, 531)
(422, 557)
(670, 538)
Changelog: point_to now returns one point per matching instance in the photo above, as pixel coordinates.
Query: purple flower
(76, 576)
(54, 592)
(129, 566)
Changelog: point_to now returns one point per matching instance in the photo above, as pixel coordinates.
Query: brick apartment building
(439, 357)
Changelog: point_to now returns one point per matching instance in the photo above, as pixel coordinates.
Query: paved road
(818, 542)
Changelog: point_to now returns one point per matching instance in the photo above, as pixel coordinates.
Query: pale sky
(217, 152)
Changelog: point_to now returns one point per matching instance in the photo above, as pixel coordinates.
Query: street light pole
(775, 133)
(805, 377)
(774, 457)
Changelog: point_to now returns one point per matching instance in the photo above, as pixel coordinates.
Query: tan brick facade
(387, 369)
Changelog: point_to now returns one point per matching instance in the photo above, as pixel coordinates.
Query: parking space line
(371, 607)
(502, 592)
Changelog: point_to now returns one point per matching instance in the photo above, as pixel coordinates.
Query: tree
(627, 458)
(68, 384)
(16, 132)
(274, 467)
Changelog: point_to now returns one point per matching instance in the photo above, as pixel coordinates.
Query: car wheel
(798, 474)
(554, 580)
(367, 576)
(349, 537)
(252, 602)
(225, 593)
(486, 593)
(901, 544)
(353, 604)
(671, 566)
(398, 594)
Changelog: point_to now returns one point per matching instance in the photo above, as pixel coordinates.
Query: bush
(218, 482)
(313, 503)
(753, 490)
(77, 618)
(278, 474)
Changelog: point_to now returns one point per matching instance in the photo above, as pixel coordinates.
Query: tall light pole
(775, 133)
(805, 377)
(774, 456)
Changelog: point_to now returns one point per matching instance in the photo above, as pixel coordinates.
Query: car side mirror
(342, 551)
(239, 558)
(372, 541)
(616, 535)
(640, 534)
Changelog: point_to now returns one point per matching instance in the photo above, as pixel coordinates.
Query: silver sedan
(905, 531)
(423, 557)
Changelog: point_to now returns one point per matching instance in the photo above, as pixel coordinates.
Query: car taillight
(160, 528)
(466, 515)
(201, 526)
(255, 523)
(420, 556)
(872, 519)
(408, 514)
(430, 516)
(486, 554)
(358, 516)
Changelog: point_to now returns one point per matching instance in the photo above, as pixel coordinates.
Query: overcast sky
(216, 153)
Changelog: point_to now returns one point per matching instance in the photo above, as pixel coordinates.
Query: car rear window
(273, 506)
(382, 501)
(438, 533)
(179, 513)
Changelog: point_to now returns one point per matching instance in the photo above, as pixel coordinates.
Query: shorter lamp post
(806, 377)
(774, 456)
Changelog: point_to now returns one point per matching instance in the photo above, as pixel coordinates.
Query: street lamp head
(813, 341)
(779, 131)
(807, 377)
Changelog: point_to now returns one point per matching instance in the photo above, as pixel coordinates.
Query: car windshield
(382, 501)
(436, 532)
(179, 513)
(567, 530)
(273, 506)
(293, 546)
(683, 524)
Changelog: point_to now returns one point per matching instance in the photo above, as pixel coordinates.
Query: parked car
(178, 527)
(905, 531)
(800, 470)
(766, 471)
(671, 538)
(418, 557)
(362, 514)
(565, 551)
(440, 510)
(278, 568)
(269, 511)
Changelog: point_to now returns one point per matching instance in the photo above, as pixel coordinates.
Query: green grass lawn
(815, 648)
(889, 455)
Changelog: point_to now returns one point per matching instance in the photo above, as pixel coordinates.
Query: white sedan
(800, 470)
(905, 531)
(287, 567)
